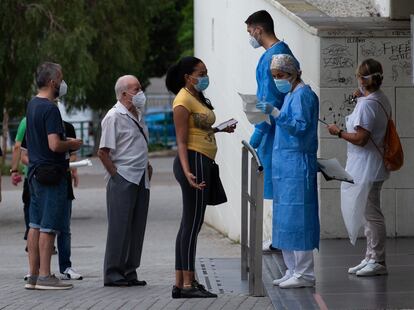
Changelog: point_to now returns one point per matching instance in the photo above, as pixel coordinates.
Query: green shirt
(21, 131)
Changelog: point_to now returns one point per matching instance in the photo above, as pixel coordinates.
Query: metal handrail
(254, 154)
(251, 236)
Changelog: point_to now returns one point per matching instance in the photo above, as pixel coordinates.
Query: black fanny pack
(49, 174)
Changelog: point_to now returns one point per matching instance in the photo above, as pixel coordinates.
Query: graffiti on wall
(338, 59)
(334, 109)
(394, 54)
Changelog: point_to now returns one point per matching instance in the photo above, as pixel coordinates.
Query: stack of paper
(253, 115)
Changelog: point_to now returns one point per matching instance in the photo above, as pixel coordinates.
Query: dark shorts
(49, 206)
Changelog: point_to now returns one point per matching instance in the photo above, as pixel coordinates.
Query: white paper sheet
(332, 170)
(80, 163)
(253, 115)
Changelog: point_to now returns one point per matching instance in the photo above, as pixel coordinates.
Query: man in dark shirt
(64, 237)
(48, 164)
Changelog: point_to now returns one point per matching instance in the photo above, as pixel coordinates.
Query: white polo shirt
(128, 148)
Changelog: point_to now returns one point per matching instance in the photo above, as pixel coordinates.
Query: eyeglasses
(367, 77)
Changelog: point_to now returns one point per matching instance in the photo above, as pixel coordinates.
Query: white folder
(332, 170)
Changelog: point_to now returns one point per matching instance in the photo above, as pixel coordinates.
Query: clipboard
(331, 169)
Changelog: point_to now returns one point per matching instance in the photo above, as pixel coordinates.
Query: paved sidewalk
(88, 246)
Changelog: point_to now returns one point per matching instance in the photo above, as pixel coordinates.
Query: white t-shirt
(128, 147)
(366, 163)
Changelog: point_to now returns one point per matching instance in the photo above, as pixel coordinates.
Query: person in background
(15, 174)
(365, 131)
(1, 155)
(123, 150)
(295, 192)
(193, 120)
(260, 27)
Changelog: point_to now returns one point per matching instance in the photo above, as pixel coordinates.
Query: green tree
(94, 41)
(167, 39)
(186, 32)
(31, 32)
(119, 47)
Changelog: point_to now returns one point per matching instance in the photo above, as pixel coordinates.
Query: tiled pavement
(88, 245)
(335, 289)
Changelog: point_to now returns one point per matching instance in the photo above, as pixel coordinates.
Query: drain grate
(221, 275)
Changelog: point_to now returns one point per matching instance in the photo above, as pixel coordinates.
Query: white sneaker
(71, 274)
(297, 281)
(287, 276)
(362, 264)
(372, 269)
(266, 245)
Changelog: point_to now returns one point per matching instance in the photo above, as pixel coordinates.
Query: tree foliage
(94, 41)
(186, 32)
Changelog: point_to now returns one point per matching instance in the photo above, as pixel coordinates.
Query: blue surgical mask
(284, 86)
(203, 82)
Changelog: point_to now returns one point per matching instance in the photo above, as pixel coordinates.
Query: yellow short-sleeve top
(200, 133)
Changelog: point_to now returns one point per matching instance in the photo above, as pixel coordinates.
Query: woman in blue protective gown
(294, 169)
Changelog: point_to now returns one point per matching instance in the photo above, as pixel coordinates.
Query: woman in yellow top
(193, 119)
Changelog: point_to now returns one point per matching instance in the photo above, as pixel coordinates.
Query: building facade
(329, 49)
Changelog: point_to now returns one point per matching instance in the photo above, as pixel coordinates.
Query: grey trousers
(374, 228)
(127, 209)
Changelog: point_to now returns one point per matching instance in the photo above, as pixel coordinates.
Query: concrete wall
(221, 41)
(328, 65)
(339, 59)
(383, 7)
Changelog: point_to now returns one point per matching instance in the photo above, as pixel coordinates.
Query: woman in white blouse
(360, 202)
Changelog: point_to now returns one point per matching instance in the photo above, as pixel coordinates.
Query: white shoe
(287, 276)
(297, 281)
(71, 274)
(362, 264)
(266, 245)
(372, 269)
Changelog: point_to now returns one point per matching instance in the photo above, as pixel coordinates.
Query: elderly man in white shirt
(123, 151)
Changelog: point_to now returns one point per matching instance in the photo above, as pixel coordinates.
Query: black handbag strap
(140, 129)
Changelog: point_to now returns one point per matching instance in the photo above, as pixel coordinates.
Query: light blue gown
(295, 192)
(267, 91)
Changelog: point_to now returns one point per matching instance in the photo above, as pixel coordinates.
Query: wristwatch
(340, 133)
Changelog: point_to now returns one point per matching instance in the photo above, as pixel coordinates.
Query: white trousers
(299, 263)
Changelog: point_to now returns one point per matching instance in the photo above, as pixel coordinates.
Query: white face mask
(139, 100)
(253, 42)
(63, 89)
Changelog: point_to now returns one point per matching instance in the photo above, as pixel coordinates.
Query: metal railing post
(252, 221)
(258, 233)
(244, 215)
(252, 230)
